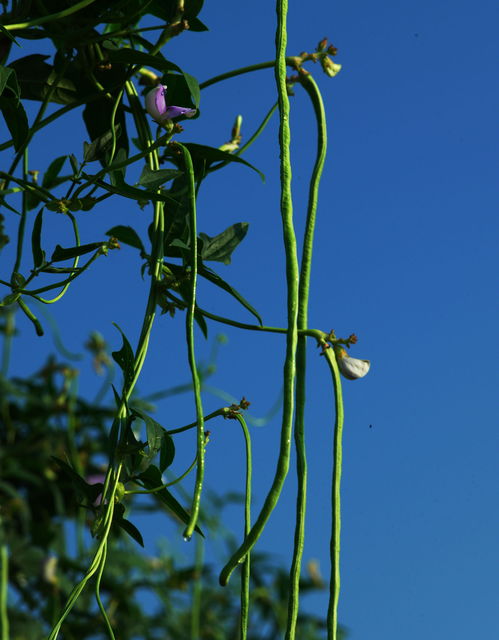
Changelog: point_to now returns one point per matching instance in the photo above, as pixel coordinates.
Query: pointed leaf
(154, 432)
(6, 79)
(8, 34)
(15, 119)
(90, 491)
(210, 275)
(74, 163)
(212, 154)
(124, 358)
(97, 148)
(140, 195)
(220, 247)
(130, 528)
(154, 179)
(167, 452)
(151, 479)
(36, 78)
(66, 254)
(38, 254)
(51, 177)
(127, 235)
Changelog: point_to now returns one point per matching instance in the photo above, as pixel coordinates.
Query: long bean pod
(301, 356)
(292, 302)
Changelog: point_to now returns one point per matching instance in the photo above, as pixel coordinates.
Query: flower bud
(160, 111)
(351, 368)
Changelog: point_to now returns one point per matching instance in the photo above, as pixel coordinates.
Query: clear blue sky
(405, 257)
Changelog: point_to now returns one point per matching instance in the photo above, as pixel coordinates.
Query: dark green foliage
(43, 488)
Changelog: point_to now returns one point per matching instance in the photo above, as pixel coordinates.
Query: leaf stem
(219, 412)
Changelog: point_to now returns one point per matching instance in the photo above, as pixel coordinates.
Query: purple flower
(158, 108)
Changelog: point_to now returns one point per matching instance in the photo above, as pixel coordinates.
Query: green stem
(96, 561)
(65, 285)
(251, 140)
(270, 64)
(311, 333)
(301, 356)
(22, 221)
(168, 484)
(36, 121)
(197, 590)
(9, 330)
(113, 475)
(57, 114)
(51, 18)
(196, 498)
(292, 303)
(258, 132)
(31, 316)
(4, 587)
(97, 593)
(151, 147)
(334, 587)
(219, 412)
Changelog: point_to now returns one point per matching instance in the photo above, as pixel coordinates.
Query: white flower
(351, 368)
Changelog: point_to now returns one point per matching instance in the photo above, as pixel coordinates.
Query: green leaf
(130, 528)
(153, 179)
(38, 254)
(8, 34)
(185, 291)
(166, 452)
(151, 479)
(5, 74)
(127, 235)
(66, 254)
(213, 277)
(203, 157)
(10, 299)
(74, 163)
(195, 24)
(154, 432)
(89, 491)
(4, 238)
(132, 56)
(113, 436)
(140, 195)
(96, 150)
(97, 116)
(36, 78)
(15, 119)
(51, 177)
(220, 247)
(124, 358)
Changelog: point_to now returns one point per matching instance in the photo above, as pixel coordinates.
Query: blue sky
(404, 257)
